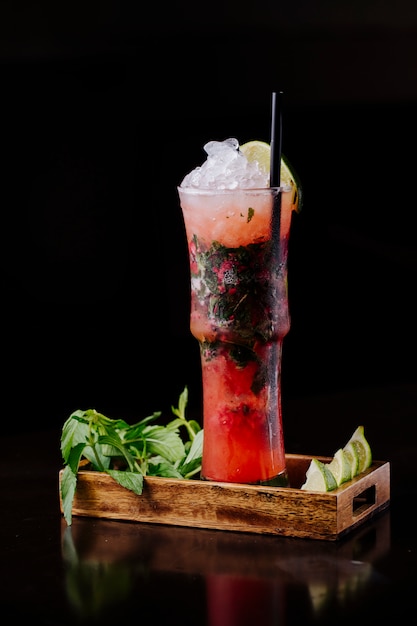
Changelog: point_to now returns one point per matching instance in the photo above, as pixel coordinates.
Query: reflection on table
(230, 578)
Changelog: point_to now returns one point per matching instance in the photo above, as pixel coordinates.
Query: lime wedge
(340, 467)
(261, 152)
(319, 477)
(352, 454)
(355, 457)
(362, 447)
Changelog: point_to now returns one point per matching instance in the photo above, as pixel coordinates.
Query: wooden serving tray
(287, 511)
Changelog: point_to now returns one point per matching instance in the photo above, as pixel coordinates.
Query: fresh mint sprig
(128, 452)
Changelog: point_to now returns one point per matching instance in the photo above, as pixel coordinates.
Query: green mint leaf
(114, 424)
(195, 426)
(182, 404)
(135, 431)
(110, 443)
(191, 426)
(165, 442)
(196, 450)
(68, 487)
(75, 456)
(75, 430)
(175, 424)
(158, 466)
(190, 469)
(114, 444)
(129, 480)
(183, 401)
(95, 456)
(191, 464)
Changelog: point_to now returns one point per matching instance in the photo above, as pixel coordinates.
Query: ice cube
(226, 168)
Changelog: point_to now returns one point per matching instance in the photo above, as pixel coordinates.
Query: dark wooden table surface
(101, 571)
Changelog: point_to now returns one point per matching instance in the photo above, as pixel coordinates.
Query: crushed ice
(226, 168)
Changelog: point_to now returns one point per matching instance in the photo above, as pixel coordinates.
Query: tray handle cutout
(363, 501)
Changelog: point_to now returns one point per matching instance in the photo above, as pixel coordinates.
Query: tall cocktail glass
(238, 247)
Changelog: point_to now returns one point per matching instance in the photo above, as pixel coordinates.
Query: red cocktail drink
(238, 245)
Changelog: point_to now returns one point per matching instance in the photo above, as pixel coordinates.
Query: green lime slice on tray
(353, 459)
(352, 455)
(340, 467)
(319, 477)
(362, 447)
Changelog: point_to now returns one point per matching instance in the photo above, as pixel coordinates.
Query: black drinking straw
(276, 139)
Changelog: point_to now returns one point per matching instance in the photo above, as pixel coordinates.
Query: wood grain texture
(286, 511)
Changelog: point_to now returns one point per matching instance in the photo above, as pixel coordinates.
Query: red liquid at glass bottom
(243, 438)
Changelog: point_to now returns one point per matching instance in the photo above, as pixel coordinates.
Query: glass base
(281, 480)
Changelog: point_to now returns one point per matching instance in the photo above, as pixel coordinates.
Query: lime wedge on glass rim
(319, 477)
(260, 151)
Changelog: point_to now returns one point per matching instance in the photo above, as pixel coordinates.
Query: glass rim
(205, 191)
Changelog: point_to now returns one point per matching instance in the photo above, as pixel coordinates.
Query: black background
(105, 107)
